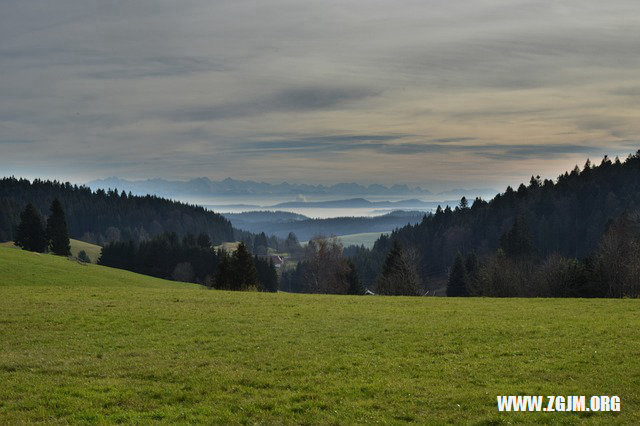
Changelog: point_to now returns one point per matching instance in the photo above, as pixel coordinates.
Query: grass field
(84, 343)
(229, 246)
(366, 239)
(92, 250)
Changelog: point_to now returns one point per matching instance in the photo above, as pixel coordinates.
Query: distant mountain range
(379, 207)
(280, 223)
(205, 187)
(355, 203)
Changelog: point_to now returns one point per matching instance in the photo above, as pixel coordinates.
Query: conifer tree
(30, 234)
(472, 267)
(399, 276)
(464, 204)
(57, 233)
(457, 285)
(244, 274)
(84, 257)
(224, 274)
(267, 274)
(355, 285)
(260, 244)
(203, 240)
(517, 243)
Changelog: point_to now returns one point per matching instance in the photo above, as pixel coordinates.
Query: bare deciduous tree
(326, 268)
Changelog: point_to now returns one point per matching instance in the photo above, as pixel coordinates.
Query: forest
(572, 218)
(578, 236)
(189, 259)
(102, 217)
(192, 259)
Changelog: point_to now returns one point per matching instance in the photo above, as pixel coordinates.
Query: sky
(436, 93)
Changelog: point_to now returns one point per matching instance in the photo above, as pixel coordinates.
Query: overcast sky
(440, 93)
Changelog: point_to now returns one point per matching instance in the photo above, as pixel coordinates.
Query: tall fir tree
(244, 274)
(267, 274)
(30, 234)
(355, 285)
(57, 232)
(260, 244)
(472, 267)
(204, 241)
(399, 276)
(464, 204)
(457, 285)
(224, 275)
(517, 242)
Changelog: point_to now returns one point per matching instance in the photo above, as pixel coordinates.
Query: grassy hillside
(229, 247)
(366, 239)
(84, 343)
(92, 250)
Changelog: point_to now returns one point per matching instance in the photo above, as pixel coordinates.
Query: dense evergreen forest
(192, 259)
(568, 217)
(102, 216)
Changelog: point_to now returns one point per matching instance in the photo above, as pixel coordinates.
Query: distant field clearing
(366, 239)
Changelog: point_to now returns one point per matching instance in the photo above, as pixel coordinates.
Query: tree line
(323, 268)
(578, 236)
(34, 234)
(193, 259)
(567, 219)
(517, 269)
(101, 217)
(190, 259)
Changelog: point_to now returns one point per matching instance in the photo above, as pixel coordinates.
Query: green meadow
(366, 239)
(92, 250)
(83, 343)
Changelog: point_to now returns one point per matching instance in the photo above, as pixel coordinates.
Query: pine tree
(472, 267)
(399, 275)
(292, 244)
(30, 234)
(224, 274)
(244, 274)
(260, 244)
(84, 257)
(517, 243)
(464, 204)
(204, 241)
(457, 285)
(270, 279)
(355, 285)
(57, 233)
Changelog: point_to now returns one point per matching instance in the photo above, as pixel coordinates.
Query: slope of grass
(84, 343)
(366, 239)
(228, 246)
(92, 250)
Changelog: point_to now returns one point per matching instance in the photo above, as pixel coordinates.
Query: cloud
(394, 145)
(159, 66)
(17, 141)
(299, 99)
(406, 90)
